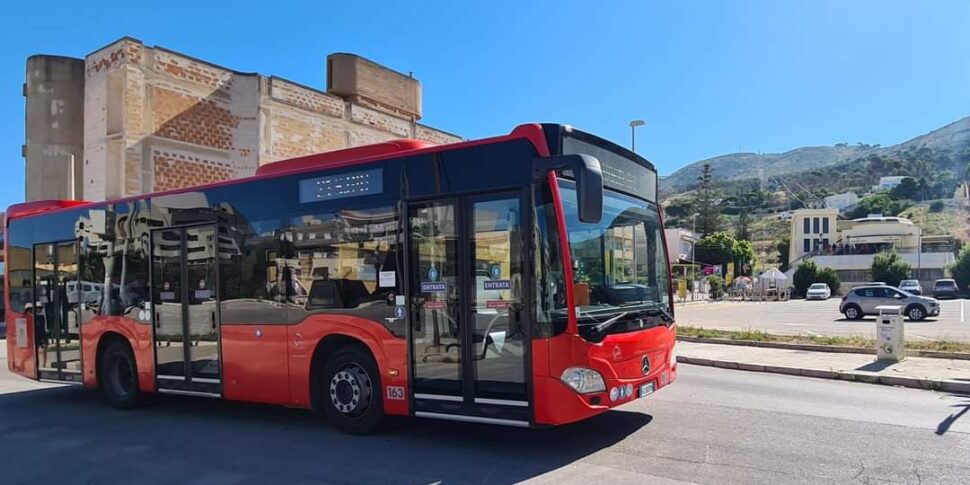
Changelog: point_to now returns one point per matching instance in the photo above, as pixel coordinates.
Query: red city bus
(519, 280)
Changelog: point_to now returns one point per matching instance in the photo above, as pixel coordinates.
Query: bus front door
(468, 326)
(57, 334)
(186, 310)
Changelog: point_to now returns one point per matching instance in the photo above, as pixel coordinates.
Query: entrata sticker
(497, 285)
(433, 287)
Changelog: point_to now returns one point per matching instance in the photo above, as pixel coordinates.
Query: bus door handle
(213, 320)
(158, 320)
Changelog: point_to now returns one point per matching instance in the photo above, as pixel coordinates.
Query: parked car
(911, 286)
(945, 289)
(863, 301)
(818, 291)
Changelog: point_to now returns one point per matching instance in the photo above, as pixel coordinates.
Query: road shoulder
(949, 375)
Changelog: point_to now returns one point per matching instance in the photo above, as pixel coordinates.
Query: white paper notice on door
(21, 332)
(388, 279)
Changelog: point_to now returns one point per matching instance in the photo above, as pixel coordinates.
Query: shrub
(890, 268)
(936, 206)
(717, 286)
(830, 278)
(804, 276)
(961, 268)
(809, 273)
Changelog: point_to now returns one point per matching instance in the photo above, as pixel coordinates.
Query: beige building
(130, 119)
(811, 231)
(850, 246)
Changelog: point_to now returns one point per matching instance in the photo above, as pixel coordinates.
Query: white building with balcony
(849, 247)
(889, 183)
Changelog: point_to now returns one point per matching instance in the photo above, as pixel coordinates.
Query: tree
(830, 278)
(878, 204)
(890, 268)
(744, 257)
(936, 206)
(716, 248)
(804, 277)
(743, 231)
(961, 268)
(707, 202)
(721, 248)
(908, 188)
(784, 247)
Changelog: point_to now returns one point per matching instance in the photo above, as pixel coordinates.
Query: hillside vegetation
(853, 166)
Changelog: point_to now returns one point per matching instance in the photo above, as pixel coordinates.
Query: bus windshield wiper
(655, 307)
(602, 327)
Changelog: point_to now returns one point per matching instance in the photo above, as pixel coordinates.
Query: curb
(946, 385)
(933, 354)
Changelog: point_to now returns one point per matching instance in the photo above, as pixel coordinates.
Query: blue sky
(709, 77)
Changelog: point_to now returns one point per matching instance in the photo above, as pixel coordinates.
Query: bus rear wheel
(119, 376)
(350, 391)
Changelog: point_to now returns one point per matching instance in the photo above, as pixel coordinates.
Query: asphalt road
(712, 426)
(801, 317)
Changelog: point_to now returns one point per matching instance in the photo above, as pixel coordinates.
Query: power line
(789, 190)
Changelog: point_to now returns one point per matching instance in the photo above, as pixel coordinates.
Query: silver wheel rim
(850, 313)
(915, 314)
(351, 390)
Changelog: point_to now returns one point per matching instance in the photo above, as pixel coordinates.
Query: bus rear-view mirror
(589, 181)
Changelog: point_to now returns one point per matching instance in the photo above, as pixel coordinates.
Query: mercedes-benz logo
(646, 365)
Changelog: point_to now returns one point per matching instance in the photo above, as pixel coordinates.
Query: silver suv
(863, 300)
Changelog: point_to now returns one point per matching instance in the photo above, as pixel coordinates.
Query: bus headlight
(583, 380)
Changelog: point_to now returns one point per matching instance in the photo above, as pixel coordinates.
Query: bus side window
(334, 263)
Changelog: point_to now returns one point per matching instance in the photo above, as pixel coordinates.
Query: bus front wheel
(350, 391)
(119, 376)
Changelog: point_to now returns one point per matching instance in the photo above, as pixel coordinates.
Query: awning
(873, 240)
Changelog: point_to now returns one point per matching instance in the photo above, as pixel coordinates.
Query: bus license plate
(646, 389)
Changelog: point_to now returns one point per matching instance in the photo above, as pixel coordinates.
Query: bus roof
(339, 158)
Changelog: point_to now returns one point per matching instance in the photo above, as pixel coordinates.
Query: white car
(818, 291)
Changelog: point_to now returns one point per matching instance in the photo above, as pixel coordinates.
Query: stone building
(130, 118)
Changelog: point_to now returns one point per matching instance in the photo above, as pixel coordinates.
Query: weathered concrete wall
(54, 126)
(156, 120)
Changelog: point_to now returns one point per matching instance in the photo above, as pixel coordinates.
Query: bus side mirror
(589, 181)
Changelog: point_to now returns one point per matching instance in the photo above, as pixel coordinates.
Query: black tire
(916, 313)
(853, 312)
(350, 391)
(119, 376)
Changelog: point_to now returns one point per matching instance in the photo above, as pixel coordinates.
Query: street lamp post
(633, 133)
(693, 251)
(693, 234)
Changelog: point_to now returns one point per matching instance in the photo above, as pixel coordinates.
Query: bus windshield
(620, 277)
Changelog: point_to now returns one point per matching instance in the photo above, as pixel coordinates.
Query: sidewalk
(918, 372)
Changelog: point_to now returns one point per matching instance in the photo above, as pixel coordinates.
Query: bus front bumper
(563, 405)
